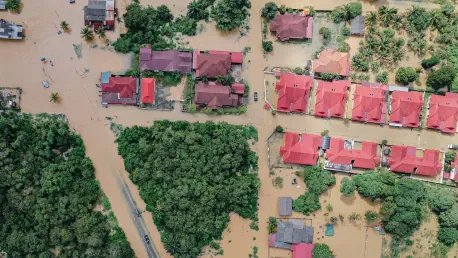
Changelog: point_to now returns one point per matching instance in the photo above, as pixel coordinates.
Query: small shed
(325, 142)
(285, 206)
(358, 26)
(293, 232)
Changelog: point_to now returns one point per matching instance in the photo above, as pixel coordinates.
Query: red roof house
(366, 157)
(238, 88)
(443, 112)
(147, 92)
(293, 92)
(302, 250)
(331, 61)
(406, 108)
(300, 149)
(169, 60)
(215, 63)
(404, 159)
(369, 105)
(293, 26)
(120, 90)
(331, 98)
(215, 96)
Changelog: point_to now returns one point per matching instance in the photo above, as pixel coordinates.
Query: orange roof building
(331, 61)
(406, 108)
(292, 26)
(293, 92)
(443, 112)
(147, 90)
(404, 159)
(300, 149)
(331, 98)
(369, 105)
(366, 157)
(215, 96)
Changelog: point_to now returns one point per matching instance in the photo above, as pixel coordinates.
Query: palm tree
(87, 34)
(101, 33)
(64, 25)
(55, 97)
(387, 15)
(371, 19)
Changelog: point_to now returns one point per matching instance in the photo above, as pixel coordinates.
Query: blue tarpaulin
(329, 230)
(106, 77)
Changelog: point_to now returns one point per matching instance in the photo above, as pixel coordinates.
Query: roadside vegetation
(405, 205)
(49, 193)
(191, 176)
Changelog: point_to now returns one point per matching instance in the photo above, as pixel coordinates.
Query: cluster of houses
(371, 103)
(208, 65)
(100, 14)
(344, 155)
(291, 234)
(10, 30)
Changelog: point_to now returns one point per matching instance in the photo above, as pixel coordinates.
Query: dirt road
(75, 80)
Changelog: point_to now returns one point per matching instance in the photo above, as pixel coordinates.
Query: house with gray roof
(293, 232)
(10, 30)
(358, 26)
(95, 11)
(285, 206)
(2, 4)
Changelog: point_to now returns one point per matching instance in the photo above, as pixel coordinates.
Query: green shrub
(382, 78)
(187, 26)
(13, 5)
(406, 75)
(267, 46)
(269, 11)
(346, 31)
(317, 179)
(371, 216)
(279, 129)
(312, 10)
(431, 62)
(322, 251)
(298, 71)
(307, 203)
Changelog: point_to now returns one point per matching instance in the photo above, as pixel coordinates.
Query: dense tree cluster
(191, 176)
(230, 14)
(405, 204)
(13, 5)
(347, 187)
(198, 10)
(430, 62)
(318, 180)
(48, 192)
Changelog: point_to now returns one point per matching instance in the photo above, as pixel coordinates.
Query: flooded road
(74, 79)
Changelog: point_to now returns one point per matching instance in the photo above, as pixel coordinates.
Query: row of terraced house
(371, 102)
(208, 64)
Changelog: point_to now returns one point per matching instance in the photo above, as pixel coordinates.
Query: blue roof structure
(106, 77)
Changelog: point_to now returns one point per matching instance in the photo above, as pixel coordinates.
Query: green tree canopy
(448, 236)
(347, 187)
(191, 176)
(322, 251)
(269, 11)
(441, 78)
(406, 75)
(307, 203)
(230, 14)
(48, 193)
(318, 180)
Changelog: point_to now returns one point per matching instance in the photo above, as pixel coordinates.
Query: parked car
(146, 239)
(453, 146)
(138, 213)
(255, 96)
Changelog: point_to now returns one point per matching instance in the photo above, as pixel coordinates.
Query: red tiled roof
(404, 159)
(406, 108)
(147, 95)
(171, 60)
(236, 57)
(366, 157)
(214, 95)
(293, 92)
(331, 61)
(238, 88)
(369, 105)
(212, 65)
(125, 86)
(289, 26)
(302, 250)
(331, 98)
(443, 112)
(303, 152)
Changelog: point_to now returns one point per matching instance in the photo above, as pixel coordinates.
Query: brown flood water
(20, 66)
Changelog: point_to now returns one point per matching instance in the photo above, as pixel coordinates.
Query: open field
(81, 104)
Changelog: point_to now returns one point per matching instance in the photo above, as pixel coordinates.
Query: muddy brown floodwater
(74, 79)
